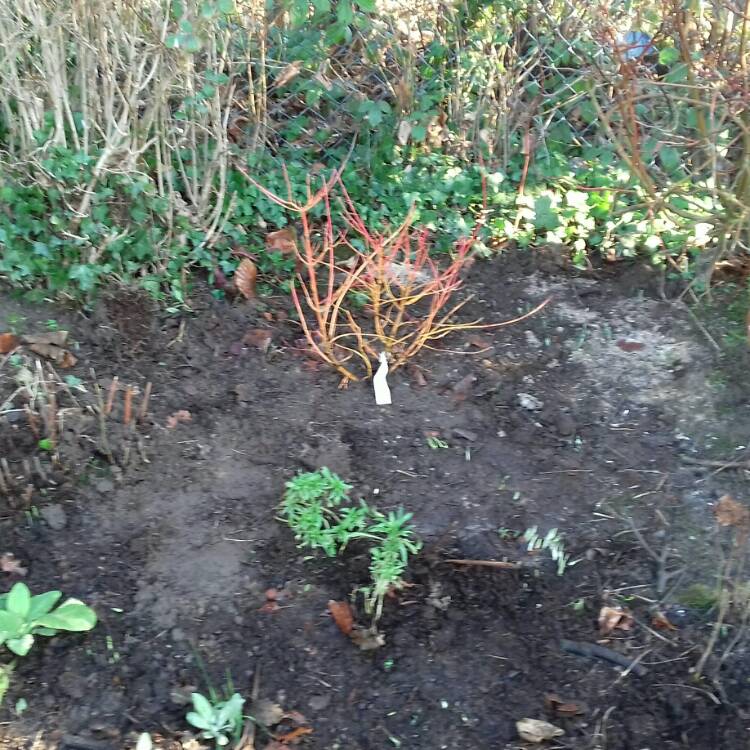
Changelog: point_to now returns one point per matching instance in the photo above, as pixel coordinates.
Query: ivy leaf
(669, 55)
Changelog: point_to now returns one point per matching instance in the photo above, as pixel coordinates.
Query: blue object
(633, 45)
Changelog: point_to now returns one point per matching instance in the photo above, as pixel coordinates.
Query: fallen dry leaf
(296, 717)
(463, 388)
(557, 705)
(61, 357)
(614, 618)
(368, 639)
(661, 622)
(267, 713)
(260, 338)
(533, 730)
(479, 342)
(342, 616)
(729, 512)
(282, 241)
(8, 342)
(55, 338)
(271, 604)
(293, 737)
(289, 73)
(245, 277)
(418, 375)
(183, 415)
(630, 346)
(9, 564)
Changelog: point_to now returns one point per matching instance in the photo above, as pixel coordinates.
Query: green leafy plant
(218, 720)
(312, 507)
(23, 616)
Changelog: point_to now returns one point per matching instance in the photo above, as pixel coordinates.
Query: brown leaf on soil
(8, 342)
(62, 357)
(293, 737)
(289, 73)
(479, 342)
(55, 338)
(417, 375)
(463, 388)
(614, 618)
(269, 606)
(260, 338)
(533, 730)
(296, 717)
(342, 616)
(282, 241)
(9, 564)
(267, 713)
(630, 346)
(183, 415)
(729, 512)
(245, 277)
(661, 622)
(557, 705)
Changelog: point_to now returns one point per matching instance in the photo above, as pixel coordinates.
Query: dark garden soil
(588, 418)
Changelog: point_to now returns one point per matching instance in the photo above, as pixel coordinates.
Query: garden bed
(587, 418)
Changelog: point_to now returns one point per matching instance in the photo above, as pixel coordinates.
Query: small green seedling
(218, 720)
(23, 616)
(552, 542)
(435, 443)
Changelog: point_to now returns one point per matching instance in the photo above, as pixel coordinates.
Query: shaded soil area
(588, 418)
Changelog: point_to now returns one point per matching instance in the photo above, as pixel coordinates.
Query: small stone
(72, 685)
(104, 485)
(533, 340)
(565, 424)
(55, 516)
(465, 434)
(178, 634)
(529, 402)
(319, 702)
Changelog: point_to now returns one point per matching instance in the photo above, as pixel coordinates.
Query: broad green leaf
(10, 624)
(19, 600)
(197, 720)
(21, 646)
(202, 705)
(73, 617)
(368, 6)
(226, 6)
(43, 603)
